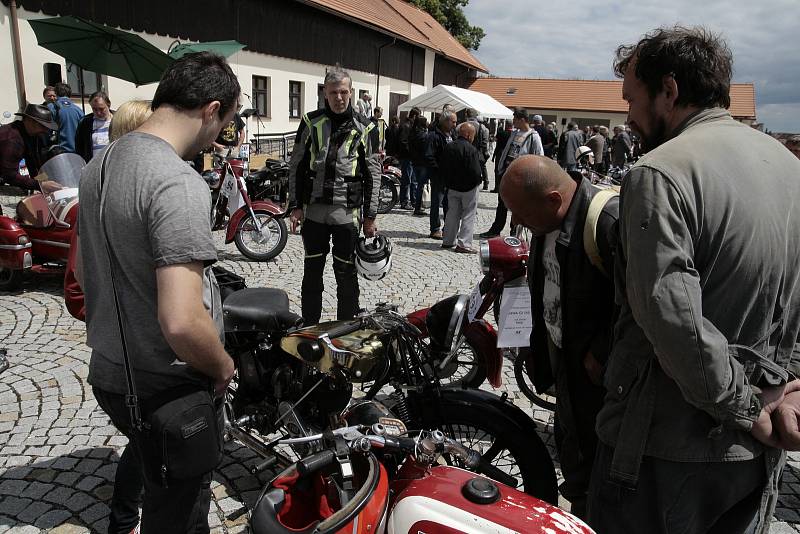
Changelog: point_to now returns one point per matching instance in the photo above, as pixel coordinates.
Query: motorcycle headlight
(483, 257)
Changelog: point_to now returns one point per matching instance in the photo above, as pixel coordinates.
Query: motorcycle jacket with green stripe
(336, 161)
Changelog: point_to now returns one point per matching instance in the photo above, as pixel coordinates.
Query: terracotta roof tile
(404, 20)
(586, 95)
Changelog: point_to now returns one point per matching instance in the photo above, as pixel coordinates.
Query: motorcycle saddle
(258, 309)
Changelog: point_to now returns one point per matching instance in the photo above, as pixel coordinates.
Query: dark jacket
(437, 141)
(15, 145)
(404, 135)
(587, 295)
(83, 137)
(335, 161)
(501, 139)
(460, 166)
(418, 146)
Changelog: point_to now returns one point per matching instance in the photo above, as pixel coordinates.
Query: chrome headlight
(483, 257)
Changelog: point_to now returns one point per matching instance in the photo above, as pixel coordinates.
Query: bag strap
(596, 206)
(131, 399)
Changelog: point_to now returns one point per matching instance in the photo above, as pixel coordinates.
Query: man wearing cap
(21, 141)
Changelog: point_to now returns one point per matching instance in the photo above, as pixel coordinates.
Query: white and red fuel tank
(449, 500)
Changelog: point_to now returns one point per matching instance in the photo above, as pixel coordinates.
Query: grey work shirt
(156, 213)
(708, 264)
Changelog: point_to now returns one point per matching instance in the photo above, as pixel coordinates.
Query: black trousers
(180, 508)
(317, 239)
(501, 213)
(686, 497)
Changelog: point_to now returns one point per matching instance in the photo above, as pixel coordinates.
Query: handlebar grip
(343, 330)
(315, 462)
(494, 473)
(405, 445)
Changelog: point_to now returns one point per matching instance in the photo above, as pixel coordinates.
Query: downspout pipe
(378, 83)
(21, 97)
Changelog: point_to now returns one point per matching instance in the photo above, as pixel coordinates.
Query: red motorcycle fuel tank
(449, 500)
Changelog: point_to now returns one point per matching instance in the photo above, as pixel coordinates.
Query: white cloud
(577, 40)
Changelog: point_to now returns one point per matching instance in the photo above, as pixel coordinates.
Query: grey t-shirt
(156, 213)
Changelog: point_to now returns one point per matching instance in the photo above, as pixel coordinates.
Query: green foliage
(449, 13)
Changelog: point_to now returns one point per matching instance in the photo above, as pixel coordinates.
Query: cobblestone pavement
(58, 451)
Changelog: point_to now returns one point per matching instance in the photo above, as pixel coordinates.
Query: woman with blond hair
(128, 117)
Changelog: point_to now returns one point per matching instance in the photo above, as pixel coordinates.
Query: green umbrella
(223, 48)
(102, 49)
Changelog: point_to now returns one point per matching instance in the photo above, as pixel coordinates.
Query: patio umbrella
(223, 48)
(102, 49)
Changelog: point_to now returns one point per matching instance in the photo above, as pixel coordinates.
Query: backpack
(596, 206)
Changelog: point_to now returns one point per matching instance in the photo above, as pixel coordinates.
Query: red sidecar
(37, 237)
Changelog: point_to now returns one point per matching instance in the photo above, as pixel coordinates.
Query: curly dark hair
(196, 79)
(698, 59)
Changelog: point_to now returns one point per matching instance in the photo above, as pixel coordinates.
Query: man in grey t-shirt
(154, 211)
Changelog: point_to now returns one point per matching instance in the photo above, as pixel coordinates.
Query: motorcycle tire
(515, 449)
(276, 225)
(521, 374)
(471, 371)
(387, 196)
(10, 279)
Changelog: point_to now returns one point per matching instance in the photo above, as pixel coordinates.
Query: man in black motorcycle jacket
(572, 303)
(334, 180)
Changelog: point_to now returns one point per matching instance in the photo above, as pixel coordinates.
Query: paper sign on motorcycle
(515, 322)
(475, 301)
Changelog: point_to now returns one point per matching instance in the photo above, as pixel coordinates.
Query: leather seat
(258, 309)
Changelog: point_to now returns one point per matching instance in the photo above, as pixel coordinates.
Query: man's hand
(786, 418)
(370, 228)
(296, 217)
(763, 429)
(221, 383)
(593, 368)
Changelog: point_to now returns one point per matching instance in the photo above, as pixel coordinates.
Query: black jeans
(438, 198)
(687, 497)
(181, 507)
(317, 240)
(501, 213)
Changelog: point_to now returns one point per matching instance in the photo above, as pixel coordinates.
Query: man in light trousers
(460, 169)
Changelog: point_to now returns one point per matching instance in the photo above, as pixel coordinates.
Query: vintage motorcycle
(269, 182)
(390, 183)
(256, 226)
(373, 479)
(293, 382)
(37, 239)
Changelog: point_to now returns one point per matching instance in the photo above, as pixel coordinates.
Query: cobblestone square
(58, 450)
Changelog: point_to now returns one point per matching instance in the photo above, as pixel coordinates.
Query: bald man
(460, 169)
(572, 303)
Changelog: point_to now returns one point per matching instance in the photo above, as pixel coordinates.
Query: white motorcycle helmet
(584, 155)
(373, 257)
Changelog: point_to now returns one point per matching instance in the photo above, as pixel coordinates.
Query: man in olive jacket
(707, 278)
(572, 303)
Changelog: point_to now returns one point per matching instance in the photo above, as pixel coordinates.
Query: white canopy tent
(459, 98)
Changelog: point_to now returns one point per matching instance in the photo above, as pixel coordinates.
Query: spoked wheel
(522, 373)
(10, 279)
(503, 444)
(265, 244)
(466, 369)
(387, 196)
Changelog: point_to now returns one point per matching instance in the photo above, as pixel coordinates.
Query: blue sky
(577, 39)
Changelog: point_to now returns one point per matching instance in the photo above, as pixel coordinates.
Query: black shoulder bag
(185, 431)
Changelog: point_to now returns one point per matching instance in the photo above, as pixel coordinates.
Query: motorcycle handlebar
(344, 329)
